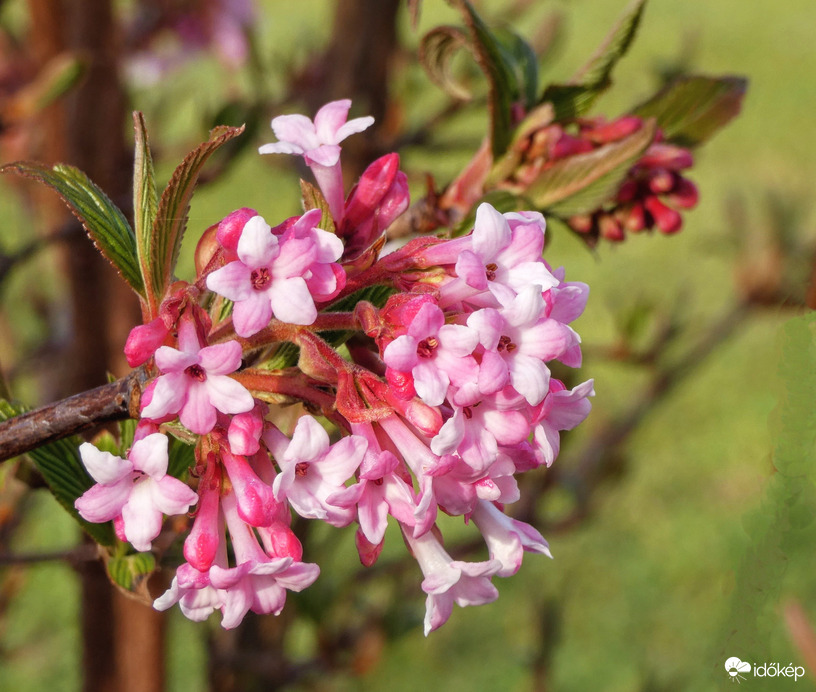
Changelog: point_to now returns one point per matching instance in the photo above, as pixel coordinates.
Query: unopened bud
(612, 132)
(666, 156)
(581, 223)
(661, 181)
(666, 219)
(610, 228)
(254, 498)
(230, 228)
(205, 250)
(568, 145)
(143, 341)
(369, 553)
(684, 195)
(634, 218)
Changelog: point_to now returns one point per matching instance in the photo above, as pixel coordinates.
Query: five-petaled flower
(195, 382)
(137, 489)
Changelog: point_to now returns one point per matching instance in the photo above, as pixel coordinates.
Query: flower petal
(104, 467)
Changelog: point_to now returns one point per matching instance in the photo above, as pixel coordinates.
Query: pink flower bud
(143, 341)
(245, 431)
(369, 553)
(254, 498)
(379, 197)
(201, 544)
(568, 145)
(280, 541)
(666, 219)
(230, 228)
(612, 132)
(666, 156)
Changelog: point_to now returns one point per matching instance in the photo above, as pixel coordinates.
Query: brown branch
(115, 401)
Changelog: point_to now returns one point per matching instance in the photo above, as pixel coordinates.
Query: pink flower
(279, 276)
(195, 384)
(383, 489)
(435, 353)
(448, 580)
(518, 339)
(319, 144)
(317, 141)
(137, 489)
(562, 409)
(311, 470)
(507, 538)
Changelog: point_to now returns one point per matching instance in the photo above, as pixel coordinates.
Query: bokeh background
(676, 543)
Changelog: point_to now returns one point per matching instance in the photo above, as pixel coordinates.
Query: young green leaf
(60, 465)
(580, 184)
(313, 199)
(576, 97)
(502, 74)
(145, 206)
(691, 109)
(102, 219)
(174, 206)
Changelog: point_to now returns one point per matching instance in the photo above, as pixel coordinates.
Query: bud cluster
(442, 400)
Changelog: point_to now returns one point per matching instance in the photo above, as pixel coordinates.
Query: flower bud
(254, 498)
(610, 228)
(666, 219)
(667, 156)
(684, 195)
(379, 197)
(614, 131)
(201, 545)
(230, 228)
(205, 250)
(369, 553)
(143, 341)
(661, 181)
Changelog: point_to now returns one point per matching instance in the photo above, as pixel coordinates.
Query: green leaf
(692, 108)
(105, 223)
(60, 465)
(181, 456)
(595, 73)
(496, 62)
(576, 97)
(313, 199)
(145, 206)
(130, 571)
(436, 52)
(174, 205)
(582, 183)
(523, 62)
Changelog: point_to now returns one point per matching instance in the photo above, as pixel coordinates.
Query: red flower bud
(684, 195)
(666, 156)
(666, 219)
(661, 181)
(568, 145)
(612, 132)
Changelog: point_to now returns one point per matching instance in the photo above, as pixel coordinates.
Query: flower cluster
(453, 400)
(652, 193)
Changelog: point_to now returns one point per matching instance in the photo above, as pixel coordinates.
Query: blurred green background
(687, 553)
